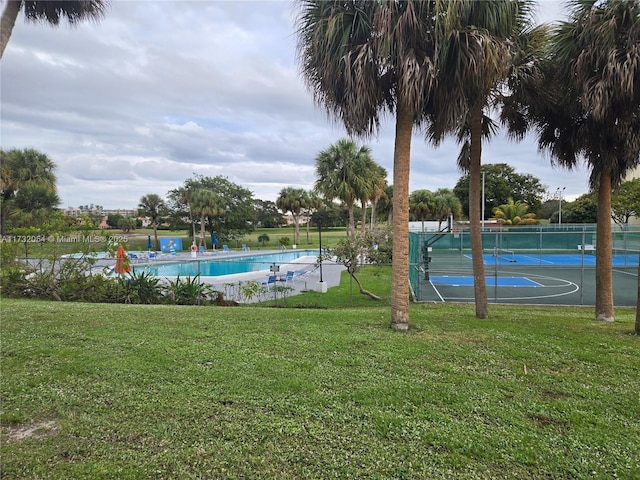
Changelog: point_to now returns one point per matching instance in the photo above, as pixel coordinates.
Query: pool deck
(307, 278)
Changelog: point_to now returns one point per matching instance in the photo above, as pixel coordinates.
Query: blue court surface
(467, 281)
(556, 259)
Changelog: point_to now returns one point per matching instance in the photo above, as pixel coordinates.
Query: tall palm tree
(593, 112)
(19, 170)
(207, 204)
(293, 200)
(474, 62)
(422, 205)
(48, 11)
(153, 206)
(341, 171)
(359, 59)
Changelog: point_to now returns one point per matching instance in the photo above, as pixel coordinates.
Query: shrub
(140, 288)
(189, 291)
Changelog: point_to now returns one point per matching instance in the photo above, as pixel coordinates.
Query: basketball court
(534, 276)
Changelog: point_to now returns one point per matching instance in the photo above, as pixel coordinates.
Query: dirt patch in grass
(555, 395)
(37, 430)
(544, 421)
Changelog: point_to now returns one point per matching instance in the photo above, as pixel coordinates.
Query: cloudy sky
(159, 91)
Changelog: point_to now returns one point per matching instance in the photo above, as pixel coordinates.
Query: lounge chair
(271, 282)
(203, 251)
(288, 278)
(225, 249)
(245, 248)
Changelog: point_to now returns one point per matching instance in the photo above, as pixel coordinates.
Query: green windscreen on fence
(530, 248)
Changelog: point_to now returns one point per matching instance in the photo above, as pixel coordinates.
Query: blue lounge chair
(245, 248)
(271, 281)
(225, 249)
(134, 258)
(288, 278)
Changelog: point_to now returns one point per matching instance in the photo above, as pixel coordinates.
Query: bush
(140, 288)
(284, 241)
(189, 291)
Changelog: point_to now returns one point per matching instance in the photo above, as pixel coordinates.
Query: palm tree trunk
(400, 223)
(155, 236)
(7, 22)
(479, 283)
(373, 215)
(604, 269)
(202, 219)
(352, 222)
(363, 227)
(296, 226)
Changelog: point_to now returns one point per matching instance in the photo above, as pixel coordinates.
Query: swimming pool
(223, 266)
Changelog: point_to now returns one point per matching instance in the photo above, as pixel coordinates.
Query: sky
(160, 91)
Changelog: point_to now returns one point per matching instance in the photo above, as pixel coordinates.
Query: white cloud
(160, 91)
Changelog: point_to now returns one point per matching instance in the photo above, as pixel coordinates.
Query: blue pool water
(223, 266)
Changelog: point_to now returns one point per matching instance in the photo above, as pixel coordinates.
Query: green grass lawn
(124, 392)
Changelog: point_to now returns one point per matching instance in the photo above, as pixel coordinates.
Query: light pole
(322, 287)
(559, 192)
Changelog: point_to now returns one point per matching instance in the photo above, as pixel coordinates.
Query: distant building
(103, 213)
(98, 210)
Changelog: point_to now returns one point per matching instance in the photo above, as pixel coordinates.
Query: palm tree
(593, 110)
(153, 206)
(48, 11)
(422, 205)
(293, 200)
(384, 206)
(263, 239)
(446, 204)
(378, 187)
(341, 171)
(207, 204)
(374, 179)
(21, 170)
(514, 213)
(474, 61)
(359, 59)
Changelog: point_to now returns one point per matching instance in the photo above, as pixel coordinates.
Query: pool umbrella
(122, 262)
(149, 244)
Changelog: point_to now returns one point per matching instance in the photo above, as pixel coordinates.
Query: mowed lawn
(157, 392)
